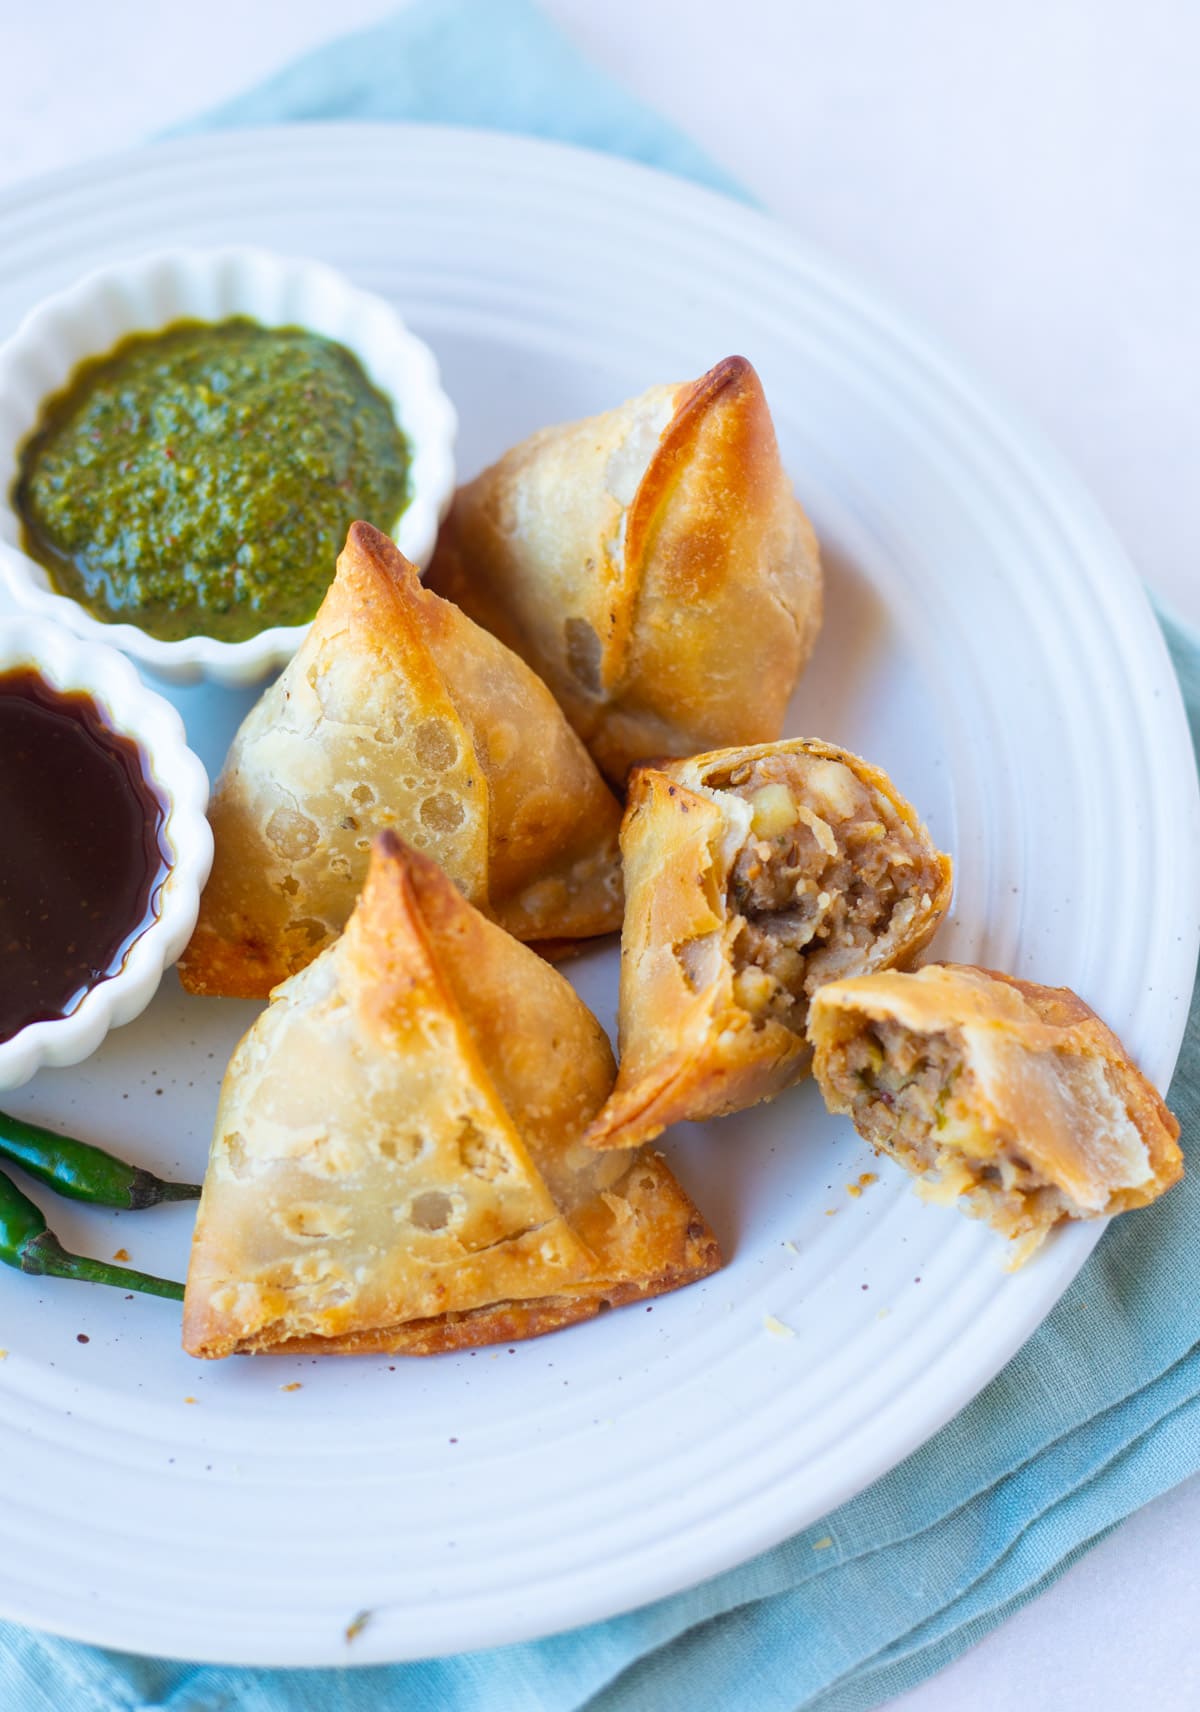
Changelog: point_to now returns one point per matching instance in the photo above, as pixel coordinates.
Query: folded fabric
(495, 64)
(1048, 1459)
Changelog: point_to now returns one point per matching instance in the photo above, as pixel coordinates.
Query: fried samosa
(651, 564)
(752, 876)
(1013, 1099)
(398, 712)
(397, 1163)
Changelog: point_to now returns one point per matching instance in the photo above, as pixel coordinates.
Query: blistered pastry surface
(619, 554)
(398, 1140)
(397, 713)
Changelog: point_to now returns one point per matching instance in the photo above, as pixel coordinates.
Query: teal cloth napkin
(1051, 1457)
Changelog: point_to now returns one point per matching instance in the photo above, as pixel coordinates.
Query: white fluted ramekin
(67, 663)
(144, 295)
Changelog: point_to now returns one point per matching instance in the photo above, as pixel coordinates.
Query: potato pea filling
(912, 1096)
(826, 884)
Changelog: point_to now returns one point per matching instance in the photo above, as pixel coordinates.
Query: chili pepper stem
(147, 1190)
(45, 1256)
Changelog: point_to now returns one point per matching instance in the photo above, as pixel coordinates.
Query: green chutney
(200, 481)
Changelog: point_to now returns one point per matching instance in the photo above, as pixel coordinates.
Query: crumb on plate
(356, 1626)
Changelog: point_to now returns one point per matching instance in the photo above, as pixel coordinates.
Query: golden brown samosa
(398, 712)
(651, 564)
(397, 1162)
(752, 876)
(1012, 1098)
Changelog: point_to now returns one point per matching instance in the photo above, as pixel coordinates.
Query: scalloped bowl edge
(149, 292)
(68, 663)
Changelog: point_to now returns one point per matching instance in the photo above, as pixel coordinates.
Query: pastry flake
(752, 876)
(652, 565)
(1010, 1098)
(397, 712)
(397, 1162)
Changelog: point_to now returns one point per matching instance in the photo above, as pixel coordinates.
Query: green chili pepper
(84, 1172)
(27, 1244)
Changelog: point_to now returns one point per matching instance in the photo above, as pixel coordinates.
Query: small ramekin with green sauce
(185, 440)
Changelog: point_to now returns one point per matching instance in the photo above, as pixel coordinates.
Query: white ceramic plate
(987, 642)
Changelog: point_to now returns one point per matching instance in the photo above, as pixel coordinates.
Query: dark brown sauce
(82, 849)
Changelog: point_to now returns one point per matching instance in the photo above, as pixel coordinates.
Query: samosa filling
(912, 1096)
(827, 881)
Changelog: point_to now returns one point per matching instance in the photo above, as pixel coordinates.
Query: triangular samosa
(398, 712)
(397, 1162)
(651, 564)
(753, 876)
(1011, 1098)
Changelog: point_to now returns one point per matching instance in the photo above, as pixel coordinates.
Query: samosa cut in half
(753, 876)
(1010, 1099)
(398, 713)
(652, 565)
(398, 1161)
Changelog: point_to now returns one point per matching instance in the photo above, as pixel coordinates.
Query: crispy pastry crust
(690, 1049)
(399, 712)
(1042, 1077)
(396, 1162)
(651, 564)
(507, 1322)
